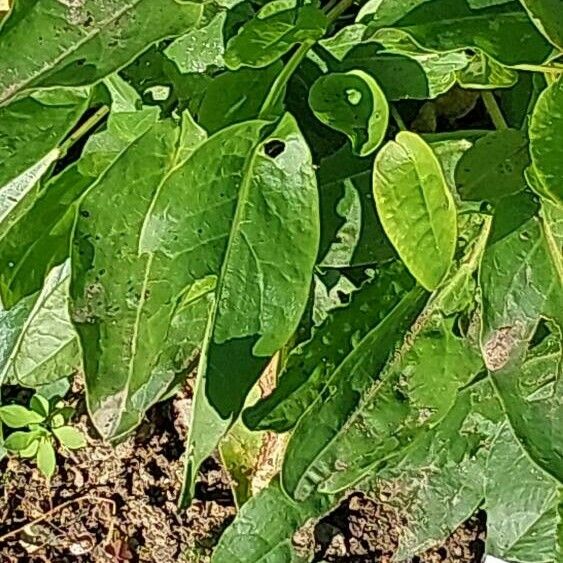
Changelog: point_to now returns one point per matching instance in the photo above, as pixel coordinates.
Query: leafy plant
(367, 193)
(45, 422)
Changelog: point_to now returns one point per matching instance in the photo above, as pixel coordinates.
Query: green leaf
(310, 454)
(521, 281)
(267, 37)
(18, 416)
(547, 15)
(416, 207)
(33, 126)
(494, 167)
(546, 150)
(530, 533)
(437, 482)
(483, 72)
(234, 97)
(312, 363)
(45, 348)
(115, 309)
(269, 189)
(40, 405)
(447, 25)
(401, 68)
(21, 441)
(274, 519)
(353, 103)
(52, 43)
(70, 437)
(200, 49)
(46, 459)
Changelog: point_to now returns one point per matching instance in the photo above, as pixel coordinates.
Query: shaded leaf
(416, 207)
(446, 25)
(548, 17)
(312, 363)
(494, 167)
(353, 103)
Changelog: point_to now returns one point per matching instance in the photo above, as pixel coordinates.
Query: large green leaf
(416, 207)
(548, 17)
(265, 526)
(405, 72)
(35, 241)
(494, 167)
(114, 309)
(261, 243)
(530, 532)
(268, 36)
(52, 43)
(353, 103)
(446, 25)
(521, 280)
(33, 126)
(313, 451)
(546, 148)
(41, 345)
(366, 413)
(310, 365)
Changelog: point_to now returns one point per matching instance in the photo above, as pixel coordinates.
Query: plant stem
(545, 69)
(494, 111)
(281, 81)
(397, 117)
(283, 78)
(449, 135)
(85, 128)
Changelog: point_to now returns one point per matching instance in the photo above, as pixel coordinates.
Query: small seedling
(44, 423)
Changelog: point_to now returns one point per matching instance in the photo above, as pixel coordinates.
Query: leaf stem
(84, 129)
(281, 81)
(283, 77)
(460, 134)
(545, 69)
(397, 117)
(494, 110)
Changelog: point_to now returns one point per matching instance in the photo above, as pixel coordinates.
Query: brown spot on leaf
(498, 348)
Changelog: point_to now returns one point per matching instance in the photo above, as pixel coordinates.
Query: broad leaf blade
(80, 43)
(264, 528)
(353, 103)
(416, 207)
(521, 281)
(267, 37)
(270, 194)
(547, 15)
(546, 147)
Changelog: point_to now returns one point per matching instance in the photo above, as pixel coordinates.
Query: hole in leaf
(540, 334)
(274, 148)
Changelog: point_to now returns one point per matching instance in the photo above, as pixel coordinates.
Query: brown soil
(361, 530)
(119, 504)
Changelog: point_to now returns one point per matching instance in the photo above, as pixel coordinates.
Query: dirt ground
(119, 504)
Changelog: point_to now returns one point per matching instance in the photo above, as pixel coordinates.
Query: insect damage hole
(274, 148)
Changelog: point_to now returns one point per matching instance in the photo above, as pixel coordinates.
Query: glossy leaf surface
(81, 42)
(353, 103)
(416, 207)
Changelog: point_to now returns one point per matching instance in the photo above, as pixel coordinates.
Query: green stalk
(84, 129)
(281, 81)
(494, 110)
